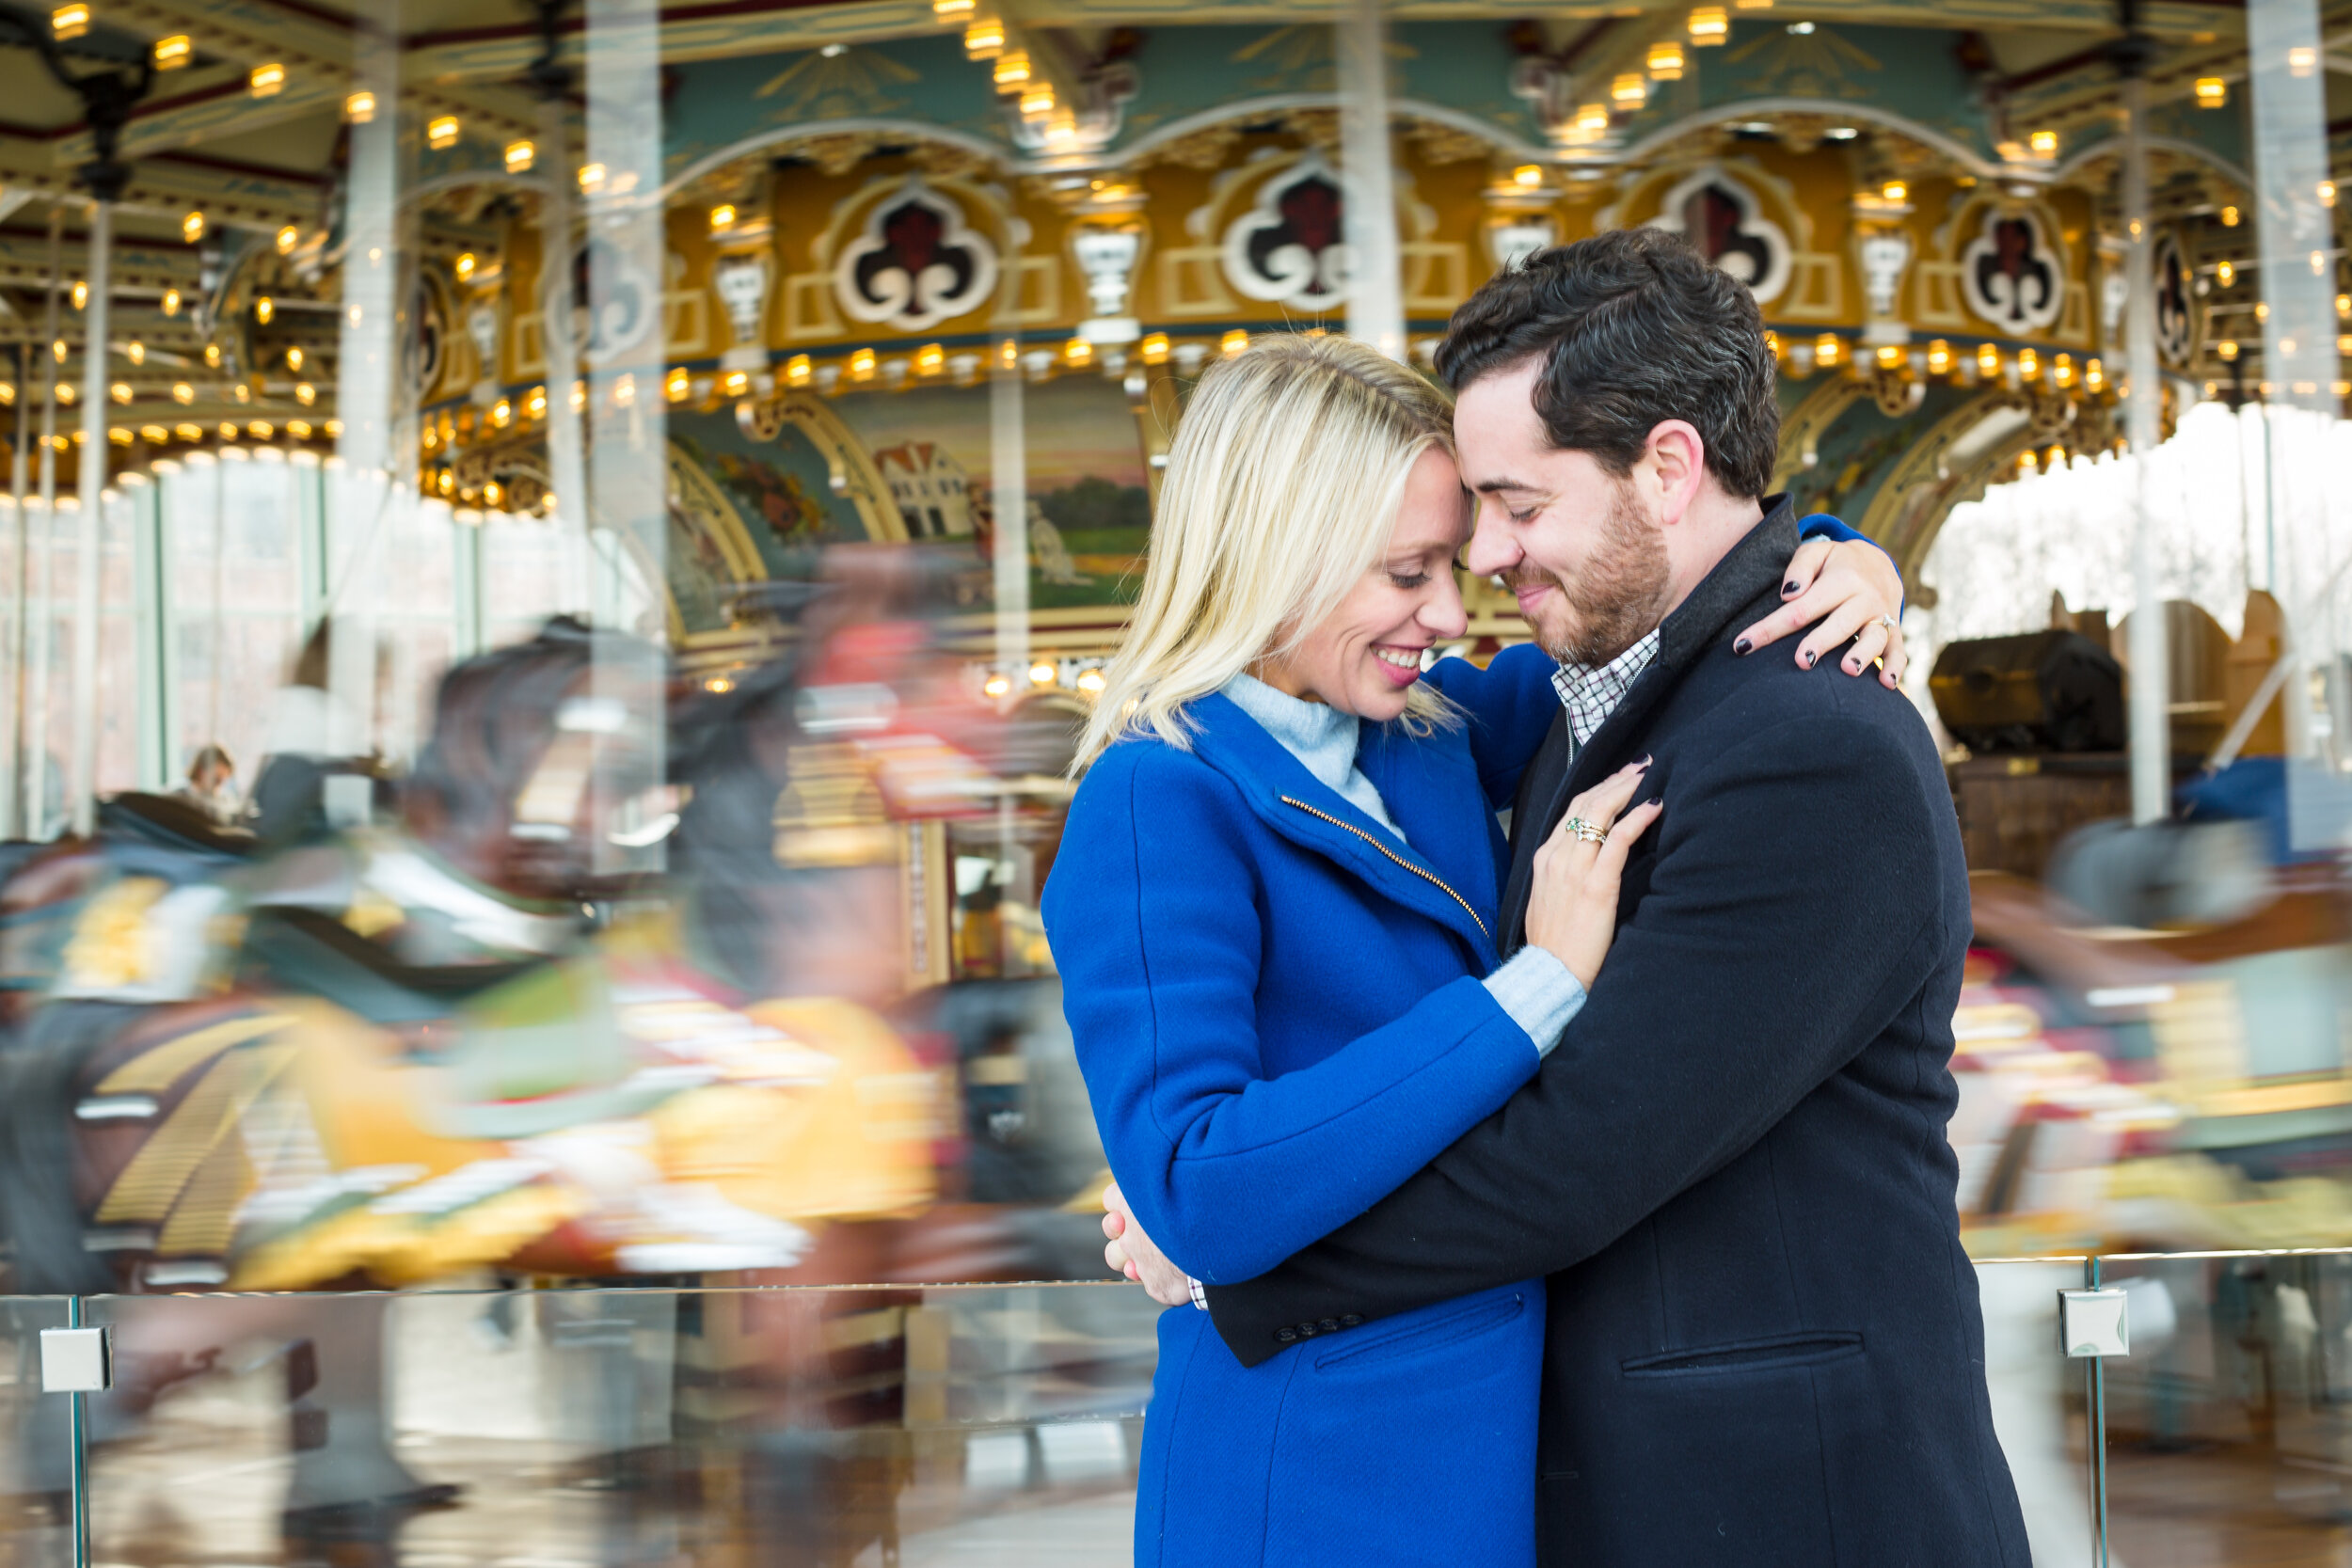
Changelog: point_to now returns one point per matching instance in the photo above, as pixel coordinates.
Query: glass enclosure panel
(975, 1425)
(2228, 1436)
(36, 1515)
(2041, 1406)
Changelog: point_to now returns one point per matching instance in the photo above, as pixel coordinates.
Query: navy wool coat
(1763, 1340)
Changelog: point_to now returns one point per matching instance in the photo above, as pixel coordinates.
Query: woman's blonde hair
(1283, 489)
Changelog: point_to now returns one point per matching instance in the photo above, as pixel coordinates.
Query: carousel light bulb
(1077, 353)
(228, 430)
(1528, 175)
(65, 391)
(120, 391)
(188, 432)
(1156, 349)
(298, 429)
(260, 430)
(1988, 361)
(464, 266)
(1666, 60)
(1630, 90)
(1890, 356)
(738, 383)
(2029, 364)
(677, 385)
(2063, 370)
(266, 81)
(1037, 102)
(183, 394)
(535, 403)
(998, 684)
(211, 355)
(360, 108)
(1013, 71)
(519, 156)
(799, 370)
(2094, 375)
(441, 131)
(1894, 193)
(2212, 93)
(264, 308)
(1939, 357)
(304, 393)
(192, 227)
(1592, 120)
(57, 351)
(1092, 683)
(81, 297)
(293, 358)
(1709, 26)
(2225, 274)
(1233, 342)
(931, 359)
(70, 22)
(951, 10)
(2261, 309)
(723, 217)
(1826, 348)
(2229, 217)
(155, 434)
(862, 364)
(174, 51)
(2044, 143)
(171, 302)
(288, 238)
(2226, 350)
(1042, 674)
(984, 40)
(590, 178)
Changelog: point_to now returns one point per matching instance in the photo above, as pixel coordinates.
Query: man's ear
(1676, 459)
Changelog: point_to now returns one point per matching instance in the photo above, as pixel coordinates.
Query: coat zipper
(1422, 872)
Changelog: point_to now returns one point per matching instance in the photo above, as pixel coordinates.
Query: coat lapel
(1752, 568)
(1416, 792)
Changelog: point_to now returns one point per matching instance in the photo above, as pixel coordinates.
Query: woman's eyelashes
(1410, 579)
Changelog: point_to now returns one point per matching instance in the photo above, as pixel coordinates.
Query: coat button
(1286, 1335)
(1329, 1326)
(1351, 1320)
(1306, 1331)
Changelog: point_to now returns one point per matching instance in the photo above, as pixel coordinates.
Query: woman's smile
(1400, 664)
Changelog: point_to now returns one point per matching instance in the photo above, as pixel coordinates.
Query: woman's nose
(1441, 613)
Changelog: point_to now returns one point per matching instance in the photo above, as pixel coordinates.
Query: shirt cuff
(1539, 994)
(1199, 1293)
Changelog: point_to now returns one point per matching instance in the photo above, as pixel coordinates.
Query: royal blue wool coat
(1278, 1011)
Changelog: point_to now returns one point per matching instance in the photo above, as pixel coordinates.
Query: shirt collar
(1591, 693)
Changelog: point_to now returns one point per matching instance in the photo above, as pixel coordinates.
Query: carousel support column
(566, 467)
(627, 504)
(2150, 712)
(1008, 501)
(36, 776)
(2295, 234)
(1375, 298)
(10, 823)
(360, 487)
(84, 786)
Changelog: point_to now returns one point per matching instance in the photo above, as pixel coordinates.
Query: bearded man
(1763, 1343)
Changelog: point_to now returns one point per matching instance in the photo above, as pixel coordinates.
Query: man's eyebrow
(1489, 487)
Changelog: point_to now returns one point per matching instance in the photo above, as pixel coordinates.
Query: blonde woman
(1274, 912)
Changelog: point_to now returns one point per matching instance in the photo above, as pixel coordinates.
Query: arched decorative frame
(1738, 239)
(1813, 286)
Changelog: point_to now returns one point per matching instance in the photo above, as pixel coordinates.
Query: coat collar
(1433, 796)
(1752, 568)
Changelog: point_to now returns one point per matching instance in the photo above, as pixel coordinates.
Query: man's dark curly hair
(1634, 327)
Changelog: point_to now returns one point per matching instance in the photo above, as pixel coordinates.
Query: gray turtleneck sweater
(1533, 986)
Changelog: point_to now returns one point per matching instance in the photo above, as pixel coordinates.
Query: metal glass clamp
(2095, 1323)
(77, 1360)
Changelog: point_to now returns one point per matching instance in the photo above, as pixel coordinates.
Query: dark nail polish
(1811, 659)
(1744, 646)
(1788, 590)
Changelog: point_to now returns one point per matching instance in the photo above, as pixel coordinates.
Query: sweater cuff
(1539, 994)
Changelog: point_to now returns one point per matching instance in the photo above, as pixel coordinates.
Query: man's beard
(1619, 594)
